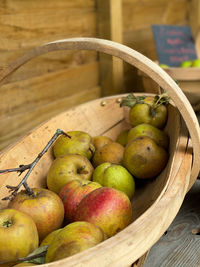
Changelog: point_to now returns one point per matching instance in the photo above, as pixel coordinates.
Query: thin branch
(29, 167)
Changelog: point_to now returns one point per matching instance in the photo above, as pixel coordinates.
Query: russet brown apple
(108, 208)
(112, 152)
(100, 141)
(45, 208)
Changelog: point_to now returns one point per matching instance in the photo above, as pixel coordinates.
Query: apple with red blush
(106, 207)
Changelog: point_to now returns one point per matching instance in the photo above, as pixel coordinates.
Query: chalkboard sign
(174, 44)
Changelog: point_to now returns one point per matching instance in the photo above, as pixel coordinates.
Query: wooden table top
(180, 245)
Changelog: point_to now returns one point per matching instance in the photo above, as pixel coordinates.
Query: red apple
(18, 235)
(72, 194)
(46, 209)
(108, 208)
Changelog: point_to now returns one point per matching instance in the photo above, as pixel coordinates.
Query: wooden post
(194, 21)
(109, 23)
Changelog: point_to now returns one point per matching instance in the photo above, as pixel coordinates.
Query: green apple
(164, 66)
(115, 176)
(144, 129)
(74, 238)
(196, 63)
(77, 142)
(186, 64)
(66, 168)
(141, 113)
(122, 137)
(50, 237)
(18, 235)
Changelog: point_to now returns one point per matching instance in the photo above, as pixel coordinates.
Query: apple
(115, 176)
(112, 152)
(18, 235)
(50, 237)
(186, 64)
(108, 208)
(24, 264)
(144, 129)
(45, 208)
(74, 238)
(78, 142)
(100, 141)
(196, 63)
(144, 158)
(122, 137)
(164, 66)
(72, 194)
(66, 168)
(141, 113)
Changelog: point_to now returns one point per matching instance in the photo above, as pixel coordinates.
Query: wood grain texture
(13, 127)
(109, 26)
(24, 95)
(49, 78)
(180, 245)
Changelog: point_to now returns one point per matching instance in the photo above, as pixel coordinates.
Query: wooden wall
(49, 84)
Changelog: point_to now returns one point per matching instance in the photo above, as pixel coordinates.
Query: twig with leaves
(29, 167)
(131, 100)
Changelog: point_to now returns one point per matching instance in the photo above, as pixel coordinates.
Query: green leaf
(130, 100)
(37, 256)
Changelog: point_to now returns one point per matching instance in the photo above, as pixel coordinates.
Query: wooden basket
(157, 203)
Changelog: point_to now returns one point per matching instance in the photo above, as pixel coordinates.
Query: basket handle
(133, 58)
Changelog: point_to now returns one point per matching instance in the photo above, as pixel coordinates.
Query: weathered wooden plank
(109, 15)
(26, 24)
(180, 246)
(194, 16)
(140, 14)
(31, 29)
(20, 96)
(44, 64)
(12, 127)
(13, 6)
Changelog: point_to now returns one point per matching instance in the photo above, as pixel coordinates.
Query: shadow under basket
(157, 201)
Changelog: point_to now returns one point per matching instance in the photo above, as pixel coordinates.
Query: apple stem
(7, 223)
(29, 167)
